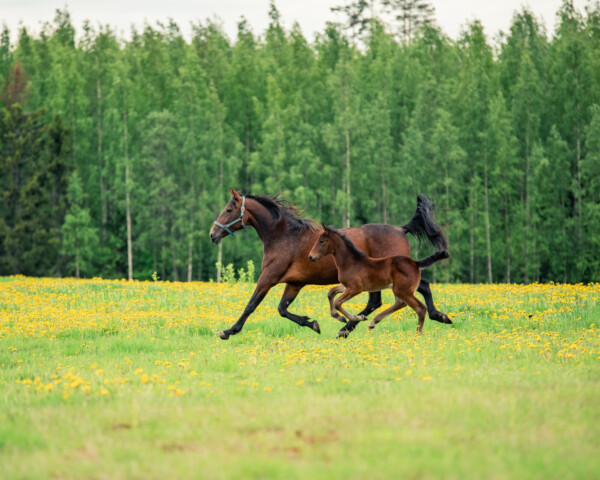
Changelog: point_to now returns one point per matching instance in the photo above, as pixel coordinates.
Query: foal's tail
(436, 257)
(422, 225)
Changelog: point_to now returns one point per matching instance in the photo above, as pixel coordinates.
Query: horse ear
(235, 194)
(324, 227)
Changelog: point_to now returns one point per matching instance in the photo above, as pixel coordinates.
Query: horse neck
(266, 227)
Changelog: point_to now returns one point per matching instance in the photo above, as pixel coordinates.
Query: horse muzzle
(216, 235)
(313, 258)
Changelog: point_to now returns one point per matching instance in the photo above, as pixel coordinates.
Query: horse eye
(229, 210)
(321, 240)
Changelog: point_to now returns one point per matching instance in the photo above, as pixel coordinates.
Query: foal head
(323, 246)
(231, 218)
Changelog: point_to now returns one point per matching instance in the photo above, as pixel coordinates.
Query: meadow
(120, 380)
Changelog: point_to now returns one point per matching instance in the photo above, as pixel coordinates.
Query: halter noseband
(240, 219)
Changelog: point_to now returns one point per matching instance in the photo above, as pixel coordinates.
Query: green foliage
(33, 183)
(79, 236)
(503, 138)
(244, 276)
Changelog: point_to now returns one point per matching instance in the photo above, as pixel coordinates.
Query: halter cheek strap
(240, 219)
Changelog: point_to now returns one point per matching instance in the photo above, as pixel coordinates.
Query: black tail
(422, 226)
(436, 257)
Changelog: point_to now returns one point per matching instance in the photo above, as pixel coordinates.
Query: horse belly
(322, 272)
(377, 288)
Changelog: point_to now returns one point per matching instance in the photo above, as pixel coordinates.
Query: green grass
(142, 388)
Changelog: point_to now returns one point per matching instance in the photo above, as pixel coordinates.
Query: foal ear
(325, 227)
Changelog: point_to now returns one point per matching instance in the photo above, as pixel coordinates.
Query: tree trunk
(103, 199)
(77, 262)
(507, 238)
(488, 245)
(247, 150)
(191, 234)
(128, 201)
(527, 212)
(471, 240)
(219, 261)
(346, 220)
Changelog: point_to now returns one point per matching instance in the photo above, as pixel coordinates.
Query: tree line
(116, 155)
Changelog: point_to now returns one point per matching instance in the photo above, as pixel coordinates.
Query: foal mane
(279, 209)
(357, 252)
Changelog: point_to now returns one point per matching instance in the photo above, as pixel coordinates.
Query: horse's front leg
(331, 296)
(343, 298)
(262, 288)
(289, 295)
(373, 304)
(433, 312)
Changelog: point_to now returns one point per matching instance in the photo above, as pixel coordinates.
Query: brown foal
(358, 272)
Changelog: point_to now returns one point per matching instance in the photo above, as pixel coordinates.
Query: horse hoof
(361, 318)
(343, 334)
(442, 318)
(223, 335)
(315, 327)
(339, 318)
(371, 327)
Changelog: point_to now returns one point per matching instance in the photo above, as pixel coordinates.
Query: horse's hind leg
(418, 307)
(398, 304)
(290, 293)
(434, 314)
(373, 304)
(331, 296)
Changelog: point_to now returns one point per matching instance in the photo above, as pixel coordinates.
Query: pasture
(119, 380)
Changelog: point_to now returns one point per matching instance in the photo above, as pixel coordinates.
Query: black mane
(283, 209)
(357, 252)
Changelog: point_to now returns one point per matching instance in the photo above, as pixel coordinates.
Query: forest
(116, 154)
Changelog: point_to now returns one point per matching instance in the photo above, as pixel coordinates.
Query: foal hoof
(361, 318)
(340, 318)
(223, 335)
(315, 327)
(371, 326)
(343, 333)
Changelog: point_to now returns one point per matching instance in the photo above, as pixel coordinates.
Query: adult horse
(287, 240)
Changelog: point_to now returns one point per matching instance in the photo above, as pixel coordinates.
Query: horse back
(288, 260)
(379, 240)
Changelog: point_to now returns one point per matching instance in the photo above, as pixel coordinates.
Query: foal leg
(343, 298)
(380, 316)
(418, 307)
(434, 314)
(289, 295)
(373, 304)
(331, 296)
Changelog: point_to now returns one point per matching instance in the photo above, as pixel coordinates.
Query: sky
(312, 15)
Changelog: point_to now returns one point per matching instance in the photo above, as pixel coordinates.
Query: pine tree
(33, 176)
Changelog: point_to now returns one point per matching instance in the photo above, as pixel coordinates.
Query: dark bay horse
(358, 273)
(287, 239)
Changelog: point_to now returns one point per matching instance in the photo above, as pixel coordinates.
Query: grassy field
(119, 380)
